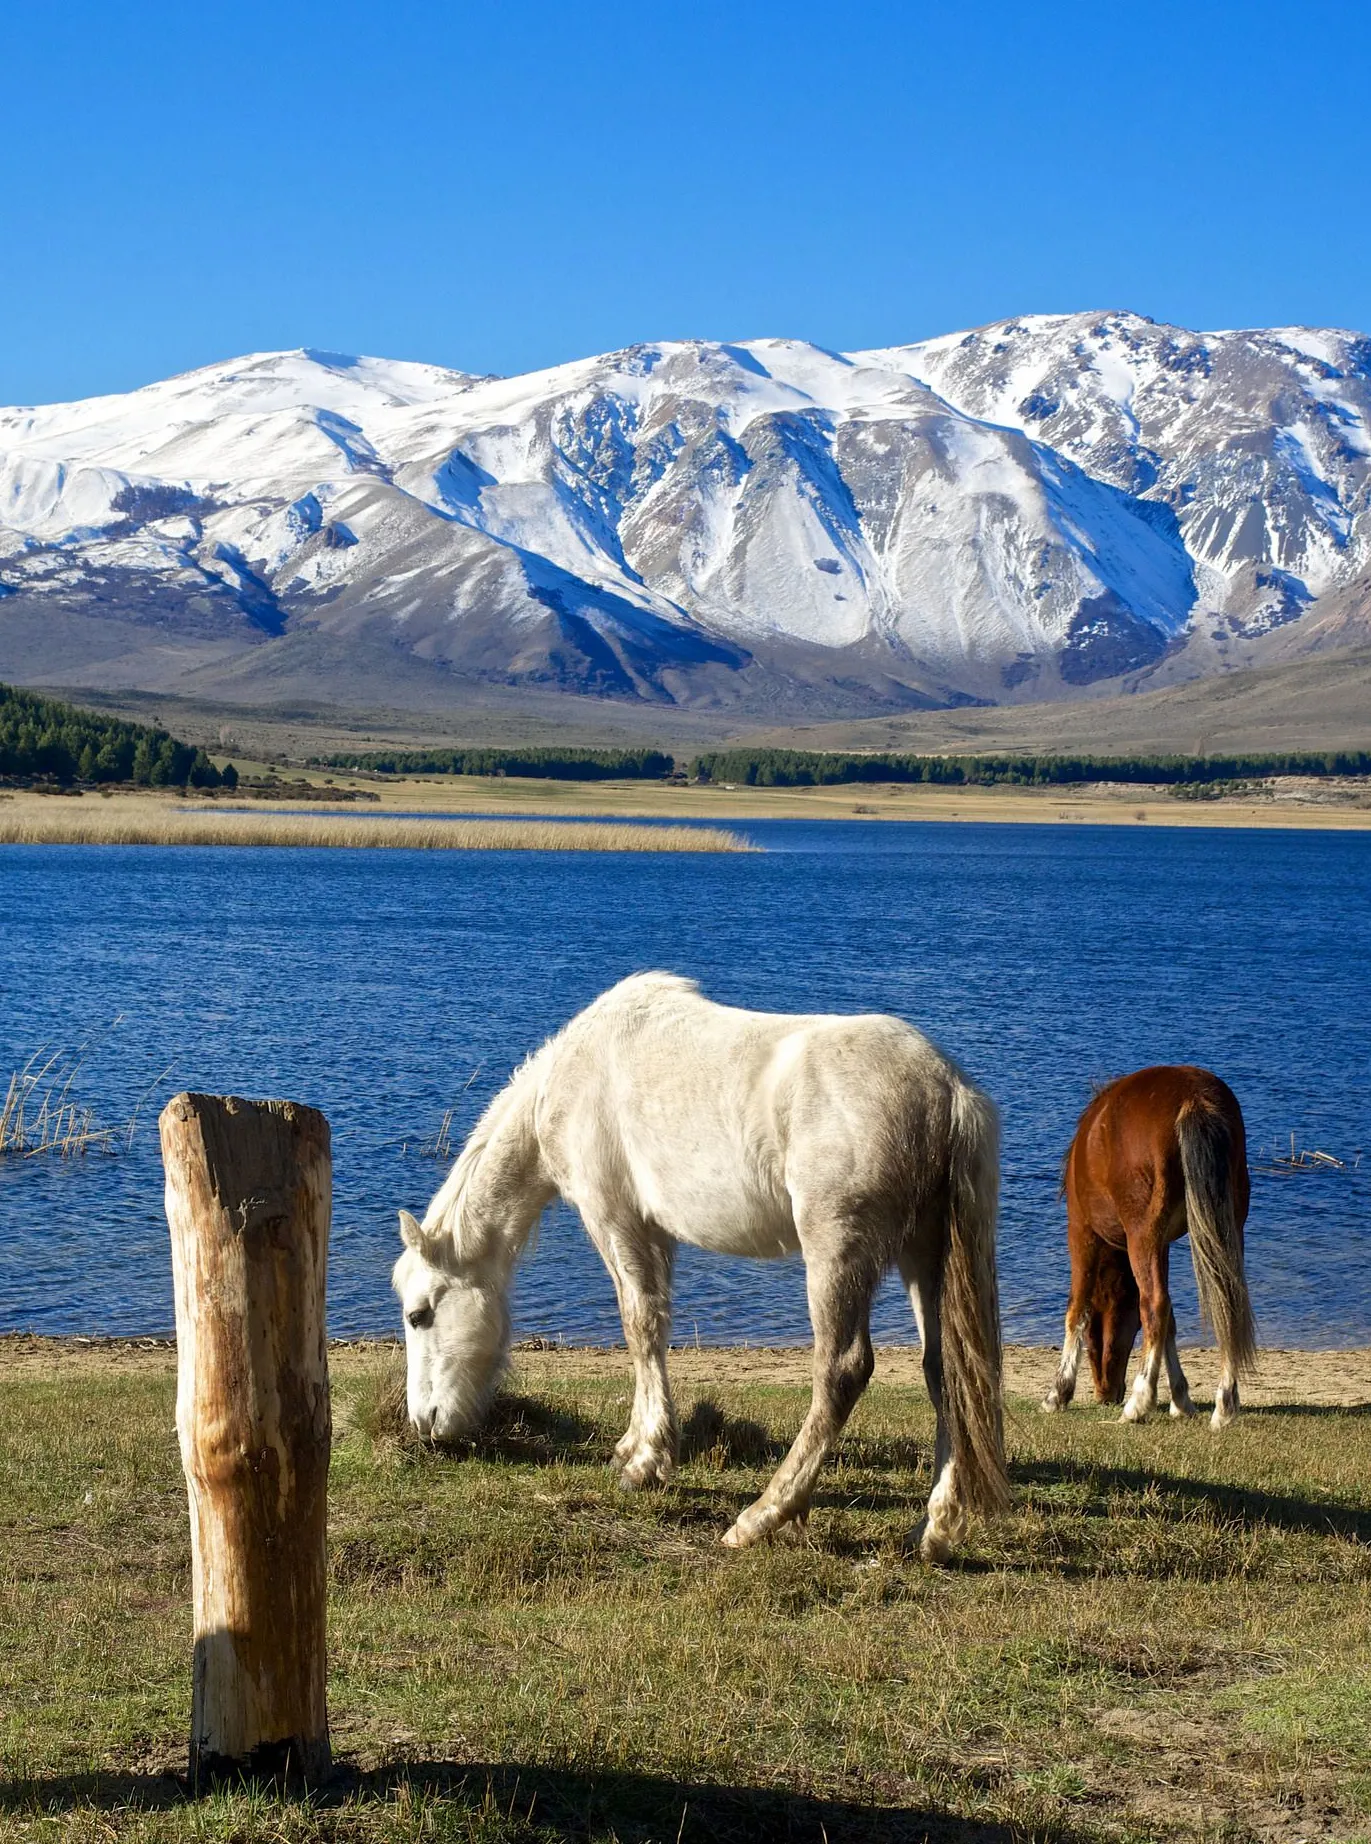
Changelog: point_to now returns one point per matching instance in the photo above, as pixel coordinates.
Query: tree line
(43, 739)
(805, 768)
(544, 764)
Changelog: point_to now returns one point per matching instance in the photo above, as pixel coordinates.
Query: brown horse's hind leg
(1175, 1376)
(1085, 1250)
(1064, 1387)
(1114, 1322)
(1149, 1259)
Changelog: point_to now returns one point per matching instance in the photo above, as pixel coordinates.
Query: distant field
(1317, 805)
(1166, 1638)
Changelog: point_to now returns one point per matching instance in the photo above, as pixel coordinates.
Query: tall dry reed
(38, 1114)
(153, 822)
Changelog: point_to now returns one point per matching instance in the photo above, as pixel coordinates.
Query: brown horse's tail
(1215, 1234)
(972, 1357)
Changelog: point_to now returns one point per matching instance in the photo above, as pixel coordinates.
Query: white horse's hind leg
(1181, 1404)
(944, 1525)
(640, 1264)
(840, 1286)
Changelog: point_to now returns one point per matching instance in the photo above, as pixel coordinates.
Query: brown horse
(1155, 1154)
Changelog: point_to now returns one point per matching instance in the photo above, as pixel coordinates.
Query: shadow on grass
(525, 1428)
(1357, 1411)
(527, 1805)
(531, 1428)
(708, 1433)
(1243, 1506)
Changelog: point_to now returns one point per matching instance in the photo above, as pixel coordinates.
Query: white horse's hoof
(1133, 1410)
(1218, 1421)
(750, 1527)
(1182, 1408)
(935, 1546)
(1052, 1403)
(646, 1469)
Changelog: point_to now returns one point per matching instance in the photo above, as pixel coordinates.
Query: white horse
(664, 1118)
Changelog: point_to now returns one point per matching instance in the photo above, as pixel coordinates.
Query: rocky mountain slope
(1051, 507)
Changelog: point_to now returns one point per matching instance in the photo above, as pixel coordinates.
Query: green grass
(1167, 1637)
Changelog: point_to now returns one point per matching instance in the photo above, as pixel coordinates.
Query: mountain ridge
(1046, 508)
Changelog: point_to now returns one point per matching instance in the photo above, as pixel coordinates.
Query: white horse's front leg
(640, 1266)
(646, 1455)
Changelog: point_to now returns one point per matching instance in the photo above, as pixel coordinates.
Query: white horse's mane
(445, 1218)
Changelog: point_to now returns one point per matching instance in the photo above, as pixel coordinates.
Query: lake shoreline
(30, 817)
(1285, 1376)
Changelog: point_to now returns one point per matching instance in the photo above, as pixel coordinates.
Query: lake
(386, 987)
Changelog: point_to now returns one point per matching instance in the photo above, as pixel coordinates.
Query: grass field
(1166, 1638)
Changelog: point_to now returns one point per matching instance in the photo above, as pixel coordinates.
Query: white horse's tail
(972, 1358)
(1215, 1238)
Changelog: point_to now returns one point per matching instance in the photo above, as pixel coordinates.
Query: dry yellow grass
(62, 820)
(1304, 805)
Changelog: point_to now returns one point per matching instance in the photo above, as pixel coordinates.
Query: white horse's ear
(410, 1233)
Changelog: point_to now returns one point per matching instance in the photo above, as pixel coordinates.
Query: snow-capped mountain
(1024, 511)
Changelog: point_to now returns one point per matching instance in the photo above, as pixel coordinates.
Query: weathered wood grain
(248, 1196)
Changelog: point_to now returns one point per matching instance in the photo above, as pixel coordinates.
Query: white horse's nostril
(423, 1423)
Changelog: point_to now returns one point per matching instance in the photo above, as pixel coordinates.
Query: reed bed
(38, 1114)
(67, 822)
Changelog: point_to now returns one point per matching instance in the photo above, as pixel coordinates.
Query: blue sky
(504, 186)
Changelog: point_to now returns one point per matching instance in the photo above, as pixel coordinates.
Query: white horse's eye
(420, 1317)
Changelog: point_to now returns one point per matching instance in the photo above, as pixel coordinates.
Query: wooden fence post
(249, 1190)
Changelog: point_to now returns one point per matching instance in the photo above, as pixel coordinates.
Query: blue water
(373, 985)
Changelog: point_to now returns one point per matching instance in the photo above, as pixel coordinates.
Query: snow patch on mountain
(1016, 510)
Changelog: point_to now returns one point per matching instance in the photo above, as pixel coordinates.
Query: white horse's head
(456, 1333)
